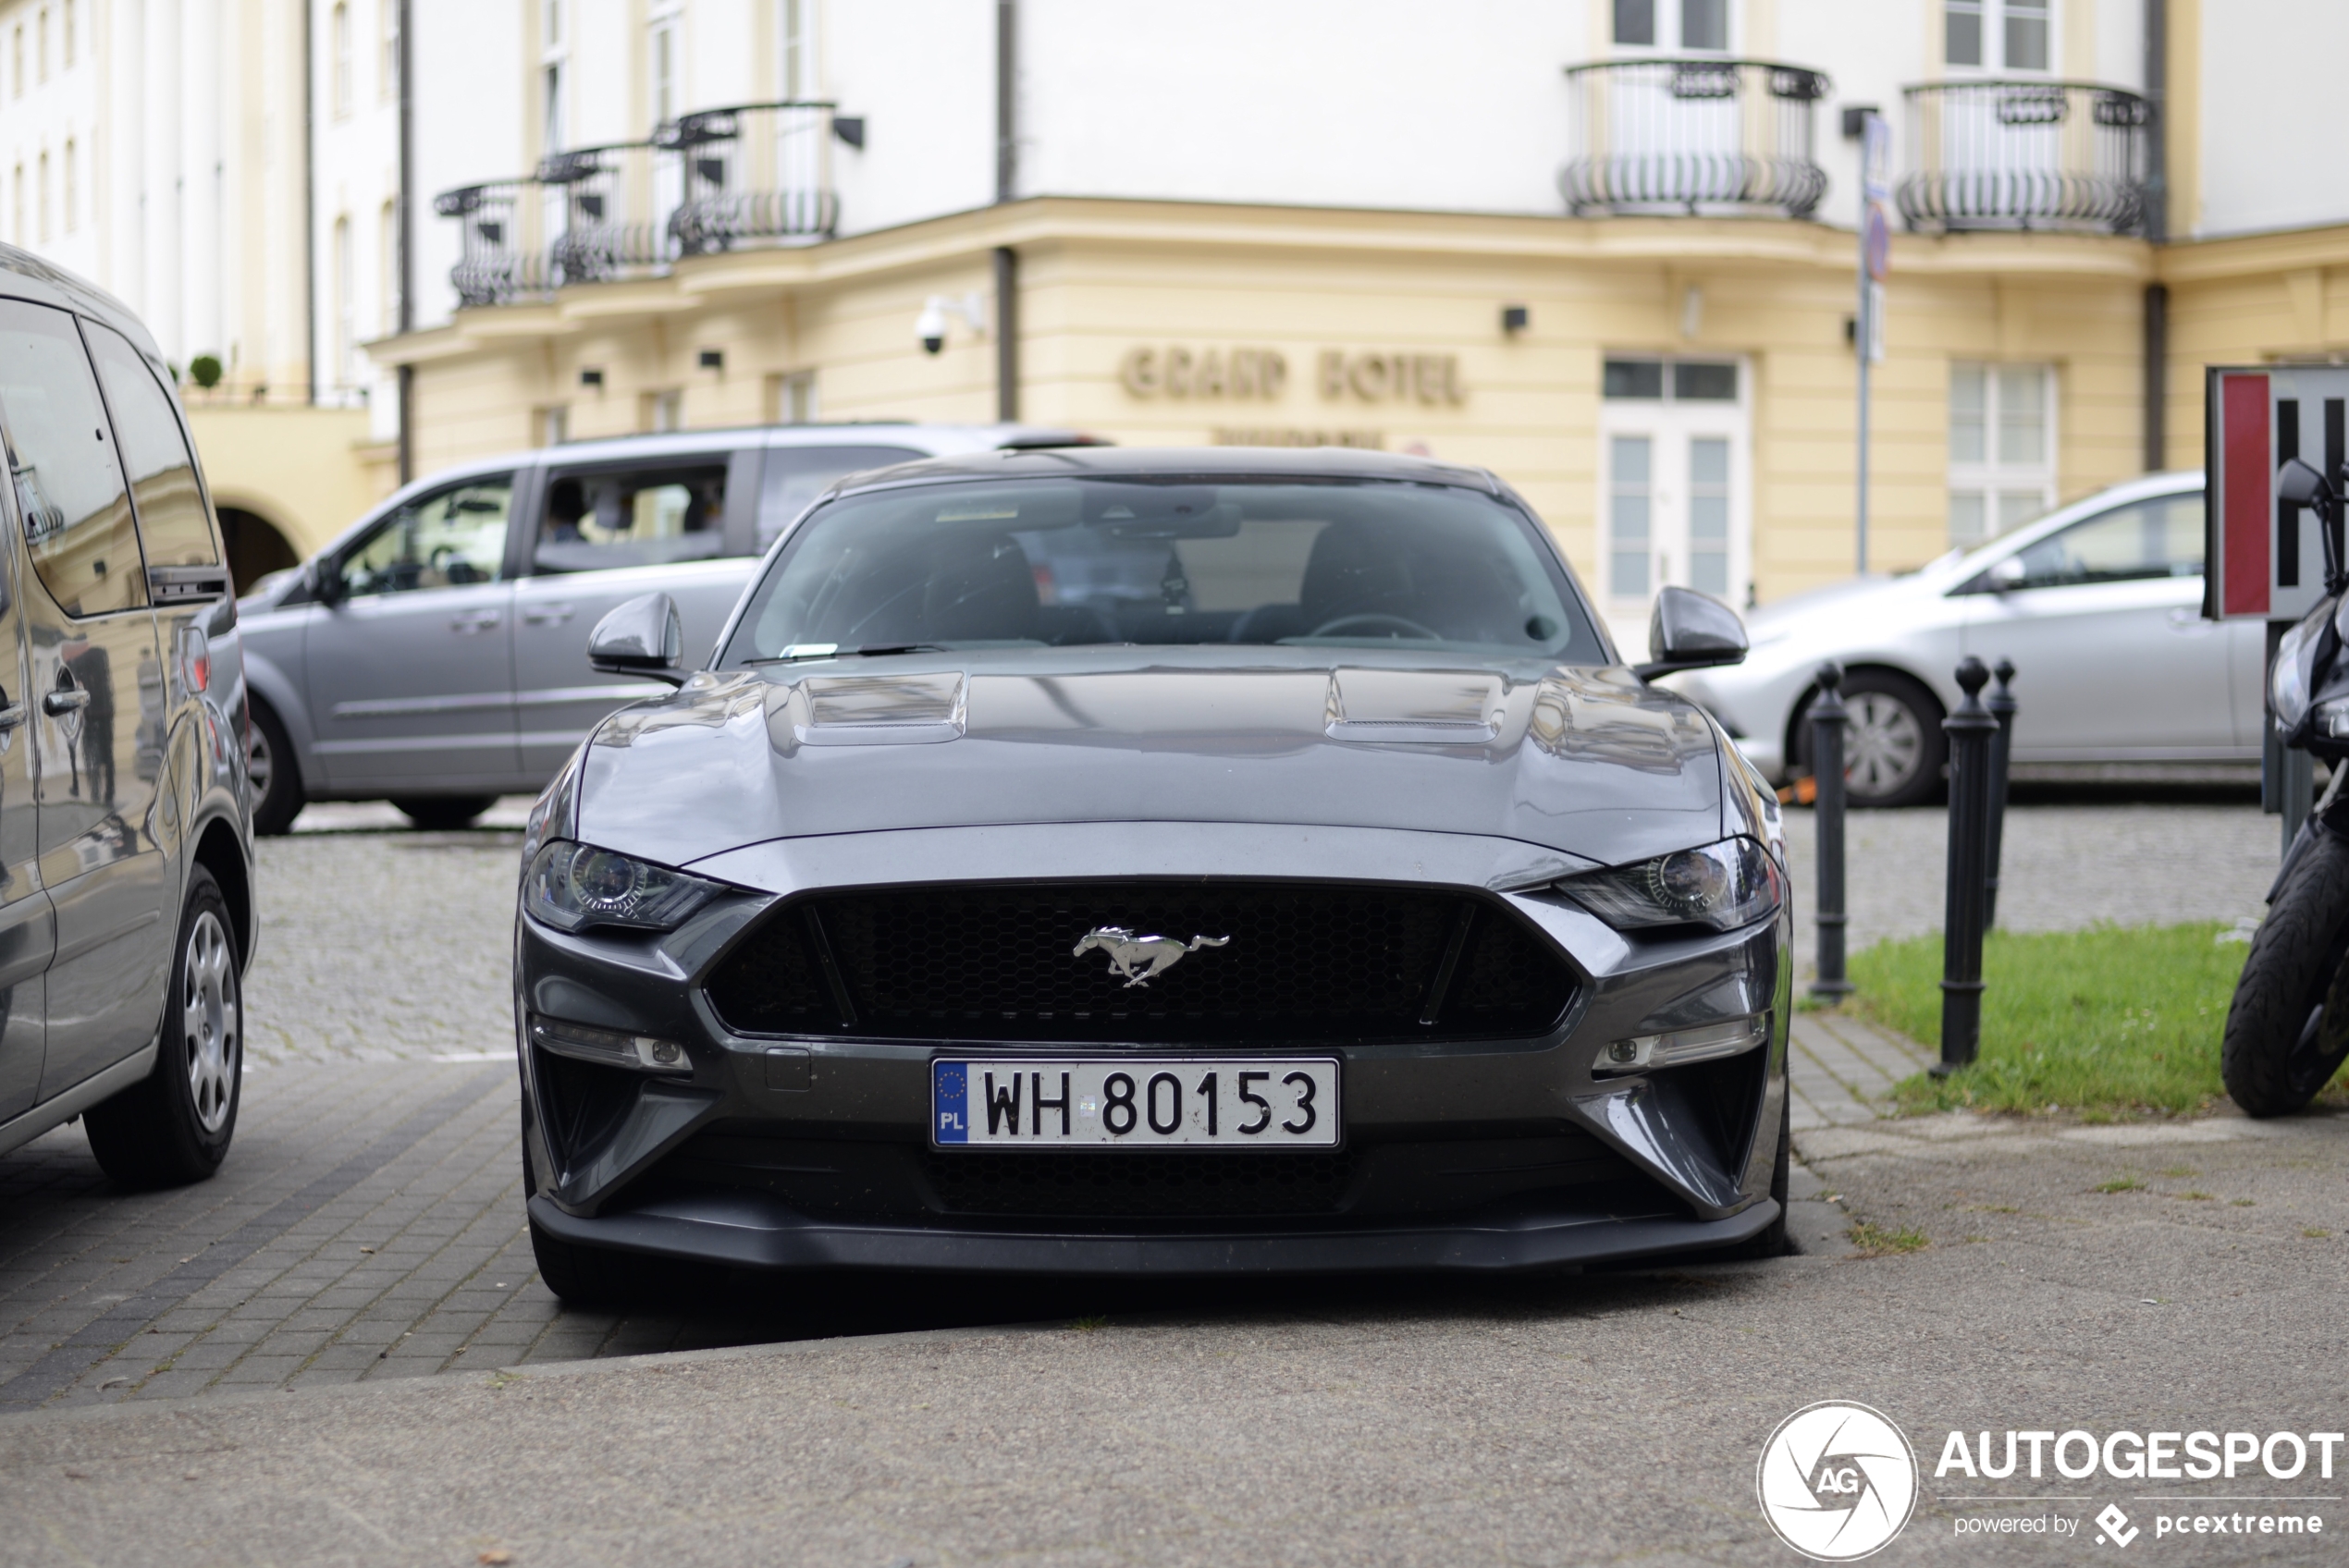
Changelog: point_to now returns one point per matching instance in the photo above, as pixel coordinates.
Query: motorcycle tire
(2288, 1027)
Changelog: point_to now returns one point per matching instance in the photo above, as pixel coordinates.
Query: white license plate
(1189, 1102)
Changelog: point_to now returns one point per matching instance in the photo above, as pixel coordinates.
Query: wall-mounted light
(1855, 120)
(712, 359)
(930, 326)
(850, 128)
(592, 377)
(1515, 319)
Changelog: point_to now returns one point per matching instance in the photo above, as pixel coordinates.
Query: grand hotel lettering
(1241, 372)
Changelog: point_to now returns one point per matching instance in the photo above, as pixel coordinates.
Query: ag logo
(1836, 1481)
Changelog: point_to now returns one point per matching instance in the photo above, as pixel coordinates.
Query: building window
(554, 425)
(16, 207)
(387, 71)
(391, 278)
(663, 60)
(2003, 34)
(340, 36)
(550, 79)
(791, 400)
(68, 32)
(2001, 448)
(661, 413)
(16, 65)
(1703, 24)
(42, 206)
(73, 196)
(551, 135)
(40, 55)
(345, 314)
(798, 76)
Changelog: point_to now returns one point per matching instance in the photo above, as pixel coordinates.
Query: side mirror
(641, 637)
(2300, 484)
(322, 576)
(1691, 630)
(2006, 576)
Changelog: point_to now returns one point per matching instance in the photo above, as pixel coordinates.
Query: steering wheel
(1393, 624)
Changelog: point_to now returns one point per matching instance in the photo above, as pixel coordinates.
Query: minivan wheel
(443, 813)
(1893, 745)
(173, 1126)
(275, 775)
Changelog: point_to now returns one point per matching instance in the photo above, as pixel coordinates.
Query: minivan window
(796, 475)
(637, 516)
(172, 522)
(77, 517)
(446, 539)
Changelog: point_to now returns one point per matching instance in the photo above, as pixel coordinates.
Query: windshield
(1073, 563)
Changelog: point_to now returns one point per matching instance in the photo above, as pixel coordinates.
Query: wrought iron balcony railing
(1692, 136)
(2025, 155)
(501, 255)
(723, 179)
(606, 208)
(753, 174)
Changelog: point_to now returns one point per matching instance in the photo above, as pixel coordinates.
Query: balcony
(758, 174)
(753, 176)
(1693, 137)
(2062, 155)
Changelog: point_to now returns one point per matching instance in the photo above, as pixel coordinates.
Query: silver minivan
(433, 656)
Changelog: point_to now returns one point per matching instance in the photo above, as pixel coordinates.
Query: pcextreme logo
(1836, 1481)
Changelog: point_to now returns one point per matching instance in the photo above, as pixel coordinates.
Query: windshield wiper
(832, 651)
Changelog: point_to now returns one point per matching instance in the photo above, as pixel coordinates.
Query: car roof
(27, 276)
(1211, 463)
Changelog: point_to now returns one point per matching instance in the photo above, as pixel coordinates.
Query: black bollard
(1828, 719)
(1969, 730)
(2002, 707)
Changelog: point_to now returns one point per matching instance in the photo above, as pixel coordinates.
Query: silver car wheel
(209, 1019)
(1883, 746)
(259, 761)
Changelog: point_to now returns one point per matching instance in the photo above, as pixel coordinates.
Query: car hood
(1587, 762)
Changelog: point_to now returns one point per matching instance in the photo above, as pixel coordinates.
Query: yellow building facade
(1173, 323)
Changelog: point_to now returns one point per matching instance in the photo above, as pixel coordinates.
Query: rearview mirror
(1691, 630)
(641, 637)
(2299, 484)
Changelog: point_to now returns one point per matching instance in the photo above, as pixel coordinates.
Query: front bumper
(1482, 1155)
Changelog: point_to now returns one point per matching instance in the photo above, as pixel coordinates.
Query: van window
(61, 459)
(446, 539)
(652, 516)
(172, 522)
(796, 475)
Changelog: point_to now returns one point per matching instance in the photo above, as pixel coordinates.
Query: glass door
(1674, 464)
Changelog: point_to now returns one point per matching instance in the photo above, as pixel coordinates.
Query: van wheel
(173, 1126)
(275, 775)
(443, 813)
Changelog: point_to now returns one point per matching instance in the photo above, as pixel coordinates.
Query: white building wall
(2270, 78)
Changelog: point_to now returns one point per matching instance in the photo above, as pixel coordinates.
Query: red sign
(2246, 508)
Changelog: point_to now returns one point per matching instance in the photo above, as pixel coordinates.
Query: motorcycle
(2288, 1027)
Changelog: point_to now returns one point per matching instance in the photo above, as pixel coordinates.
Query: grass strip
(2111, 1022)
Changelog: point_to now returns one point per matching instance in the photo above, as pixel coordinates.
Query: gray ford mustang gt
(1191, 862)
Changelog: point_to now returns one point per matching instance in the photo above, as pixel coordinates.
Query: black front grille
(1301, 961)
(1140, 1184)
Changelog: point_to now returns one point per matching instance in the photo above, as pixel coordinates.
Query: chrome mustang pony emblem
(1140, 959)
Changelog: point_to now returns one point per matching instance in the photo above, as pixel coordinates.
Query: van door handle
(12, 716)
(479, 621)
(58, 704)
(549, 615)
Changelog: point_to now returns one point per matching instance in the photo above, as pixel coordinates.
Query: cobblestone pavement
(369, 1223)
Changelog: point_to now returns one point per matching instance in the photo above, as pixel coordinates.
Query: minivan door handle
(479, 620)
(12, 716)
(69, 700)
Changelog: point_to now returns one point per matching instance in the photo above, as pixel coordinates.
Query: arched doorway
(255, 548)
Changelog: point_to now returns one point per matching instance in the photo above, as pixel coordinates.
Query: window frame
(1994, 18)
(1993, 477)
(518, 496)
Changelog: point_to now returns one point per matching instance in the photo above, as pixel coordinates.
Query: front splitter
(748, 1233)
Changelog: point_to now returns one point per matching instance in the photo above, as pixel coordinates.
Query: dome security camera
(930, 326)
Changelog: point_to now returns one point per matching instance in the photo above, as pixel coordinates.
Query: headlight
(573, 886)
(1724, 886)
(2288, 689)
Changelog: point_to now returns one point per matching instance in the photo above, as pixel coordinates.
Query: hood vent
(879, 710)
(1416, 706)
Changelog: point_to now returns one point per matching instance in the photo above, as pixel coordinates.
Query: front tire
(2288, 1027)
(275, 775)
(173, 1126)
(1894, 747)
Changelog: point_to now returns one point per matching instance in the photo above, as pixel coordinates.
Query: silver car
(2100, 606)
(431, 655)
